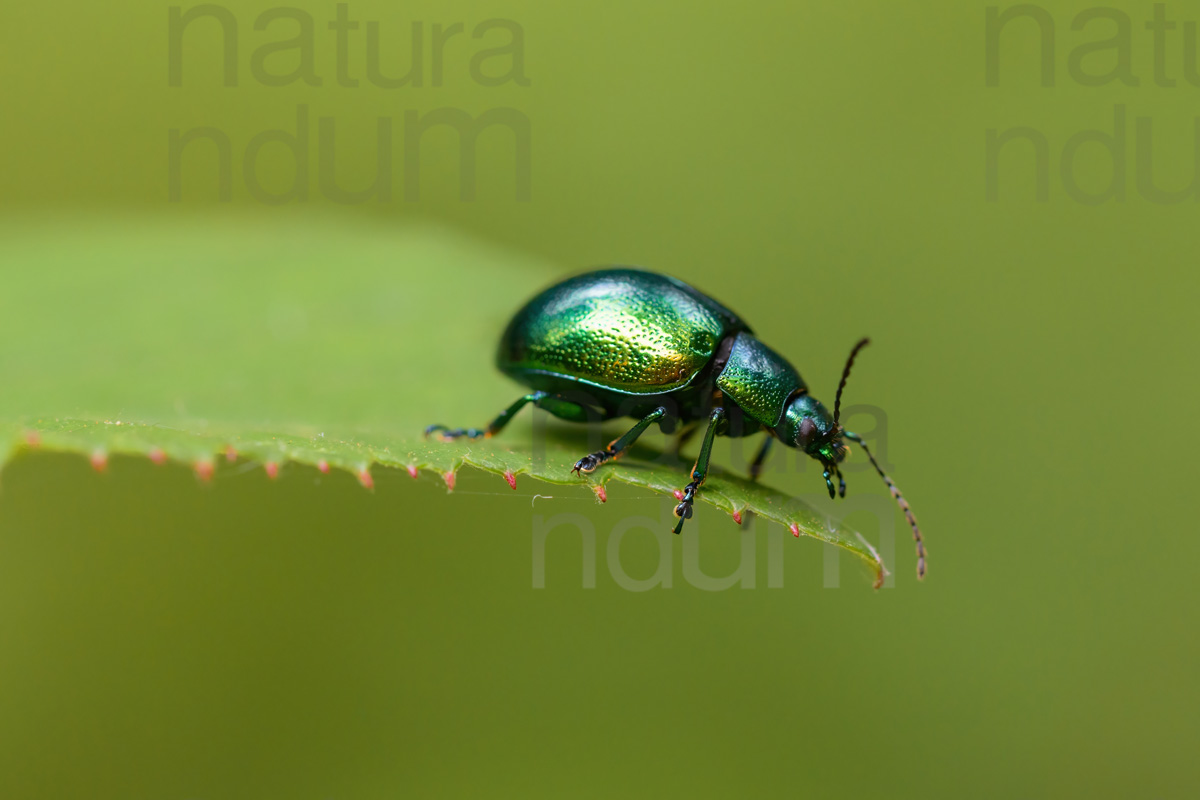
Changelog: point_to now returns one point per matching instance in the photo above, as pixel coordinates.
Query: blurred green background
(820, 168)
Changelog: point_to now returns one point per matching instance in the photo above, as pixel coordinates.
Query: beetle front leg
(700, 471)
(827, 473)
(589, 462)
(831, 470)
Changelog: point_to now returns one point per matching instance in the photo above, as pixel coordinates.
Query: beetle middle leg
(684, 437)
(700, 471)
(617, 446)
(756, 466)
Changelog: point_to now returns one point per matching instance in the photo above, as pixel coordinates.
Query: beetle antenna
(912, 520)
(837, 403)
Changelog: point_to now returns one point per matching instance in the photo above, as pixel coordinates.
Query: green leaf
(209, 340)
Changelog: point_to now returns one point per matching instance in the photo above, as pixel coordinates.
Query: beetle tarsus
(589, 462)
(446, 434)
(684, 510)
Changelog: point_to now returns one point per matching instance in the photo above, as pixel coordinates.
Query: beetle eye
(808, 433)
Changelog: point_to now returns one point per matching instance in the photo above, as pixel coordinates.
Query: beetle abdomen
(625, 330)
(759, 380)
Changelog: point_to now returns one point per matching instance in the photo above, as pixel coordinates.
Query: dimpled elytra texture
(759, 379)
(622, 329)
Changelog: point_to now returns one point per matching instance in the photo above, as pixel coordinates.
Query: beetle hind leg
(592, 460)
(447, 434)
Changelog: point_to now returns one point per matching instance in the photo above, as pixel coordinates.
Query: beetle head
(808, 425)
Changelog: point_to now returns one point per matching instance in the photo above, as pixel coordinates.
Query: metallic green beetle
(626, 342)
